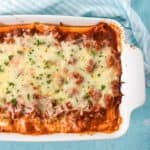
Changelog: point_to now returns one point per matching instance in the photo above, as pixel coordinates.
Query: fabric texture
(119, 10)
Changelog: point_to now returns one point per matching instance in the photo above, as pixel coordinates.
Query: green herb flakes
(14, 102)
(20, 52)
(10, 57)
(93, 53)
(103, 87)
(6, 63)
(38, 42)
(1, 69)
(57, 91)
(48, 75)
(86, 96)
(98, 74)
(60, 53)
(46, 64)
(28, 96)
(48, 81)
(11, 84)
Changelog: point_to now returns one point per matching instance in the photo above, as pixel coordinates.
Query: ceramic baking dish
(133, 88)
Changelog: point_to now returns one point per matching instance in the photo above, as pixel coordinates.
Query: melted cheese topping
(35, 65)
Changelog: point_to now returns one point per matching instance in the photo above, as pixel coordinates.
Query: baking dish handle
(133, 75)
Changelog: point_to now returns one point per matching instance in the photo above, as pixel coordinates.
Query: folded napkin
(119, 10)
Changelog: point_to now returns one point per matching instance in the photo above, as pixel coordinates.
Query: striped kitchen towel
(119, 10)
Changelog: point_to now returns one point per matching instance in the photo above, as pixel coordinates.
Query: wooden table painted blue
(138, 135)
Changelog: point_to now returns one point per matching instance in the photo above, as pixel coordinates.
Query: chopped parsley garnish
(38, 78)
(38, 42)
(86, 96)
(31, 61)
(7, 91)
(6, 63)
(60, 53)
(48, 81)
(11, 84)
(46, 64)
(28, 96)
(10, 57)
(48, 45)
(20, 52)
(60, 100)
(14, 101)
(93, 52)
(80, 48)
(31, 52)
(103, 87)
(1, 69)
(100, 55)
(76, 100)
(57, 91)
(66, 82)
(48, 75)
(82, 69)
(98, 74)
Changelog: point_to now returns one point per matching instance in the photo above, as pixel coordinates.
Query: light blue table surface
(136, 138)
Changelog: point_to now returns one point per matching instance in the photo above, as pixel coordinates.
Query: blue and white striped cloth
(115, 9)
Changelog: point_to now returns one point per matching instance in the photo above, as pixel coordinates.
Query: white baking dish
(133, 88)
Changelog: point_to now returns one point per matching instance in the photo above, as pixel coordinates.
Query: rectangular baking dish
(133, 87)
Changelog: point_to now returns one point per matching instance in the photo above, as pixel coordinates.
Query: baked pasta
(60, 79)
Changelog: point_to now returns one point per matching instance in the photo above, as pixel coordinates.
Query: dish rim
(77, 136)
